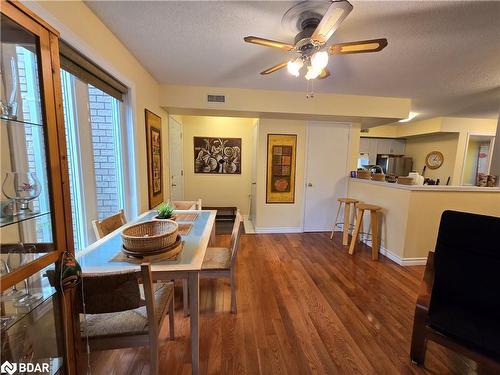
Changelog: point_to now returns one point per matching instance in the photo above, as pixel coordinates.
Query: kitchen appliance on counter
(395, 165)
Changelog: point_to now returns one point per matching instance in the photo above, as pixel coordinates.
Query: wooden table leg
(194, 286)
(359, 224)
(212, 241)
(375, 236)
(185, 294)
(347, 222)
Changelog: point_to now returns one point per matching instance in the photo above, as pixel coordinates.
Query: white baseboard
(397, 259)
(278, 230)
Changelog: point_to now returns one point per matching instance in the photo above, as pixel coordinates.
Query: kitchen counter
(428, 187)
(411, 214)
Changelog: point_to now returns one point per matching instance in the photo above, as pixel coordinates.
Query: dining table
(104, 256)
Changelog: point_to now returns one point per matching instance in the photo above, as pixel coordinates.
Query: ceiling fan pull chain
(310, 89)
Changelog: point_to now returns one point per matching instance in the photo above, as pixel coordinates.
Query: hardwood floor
(304, 306)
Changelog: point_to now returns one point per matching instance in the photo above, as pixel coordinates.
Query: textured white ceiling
(444, 55)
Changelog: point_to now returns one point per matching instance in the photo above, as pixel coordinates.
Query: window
(93, 122)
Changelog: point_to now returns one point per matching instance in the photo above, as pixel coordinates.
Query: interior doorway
(175, 159)
(477, 158)
(326, 173)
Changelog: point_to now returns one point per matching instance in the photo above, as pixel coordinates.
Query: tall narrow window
(93, 122)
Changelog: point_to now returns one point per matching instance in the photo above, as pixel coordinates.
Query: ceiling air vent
(216, 98)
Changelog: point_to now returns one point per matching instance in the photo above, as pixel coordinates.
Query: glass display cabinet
(35, 227)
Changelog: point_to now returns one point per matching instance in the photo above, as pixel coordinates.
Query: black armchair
(459, 301)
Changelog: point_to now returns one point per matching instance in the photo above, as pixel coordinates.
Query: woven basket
(364, 175)
(405, 180)
(378, 177)
(150, 235)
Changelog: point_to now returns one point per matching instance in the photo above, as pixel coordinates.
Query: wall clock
(434, 160)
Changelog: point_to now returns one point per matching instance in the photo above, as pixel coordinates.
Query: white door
(175, 152)
(326, 173)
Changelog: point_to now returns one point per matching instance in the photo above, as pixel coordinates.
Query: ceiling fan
(310, 43)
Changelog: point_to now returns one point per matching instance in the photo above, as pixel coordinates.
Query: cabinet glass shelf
(16, 122)
(10, 220)
(28, 331)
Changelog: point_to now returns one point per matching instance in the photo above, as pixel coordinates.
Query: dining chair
(220, 262)
(187, 205)
(109, 224)
(116, 312)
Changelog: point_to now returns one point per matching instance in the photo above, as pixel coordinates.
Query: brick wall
(105, 152)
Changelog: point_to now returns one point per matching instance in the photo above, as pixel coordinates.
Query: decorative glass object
(8, 101)
(23, 188)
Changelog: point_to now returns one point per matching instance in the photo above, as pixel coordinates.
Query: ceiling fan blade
(325, 73)
(274, 68)
(268, 43)
(333, 17)
(362, 46)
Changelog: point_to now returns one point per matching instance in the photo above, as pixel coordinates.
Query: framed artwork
(217, 155)
(153, 143)
(281, 153)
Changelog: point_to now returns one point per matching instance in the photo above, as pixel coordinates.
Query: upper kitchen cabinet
(35, 215)
(390, 146)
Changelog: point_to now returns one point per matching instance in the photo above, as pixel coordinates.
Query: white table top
(98, 257)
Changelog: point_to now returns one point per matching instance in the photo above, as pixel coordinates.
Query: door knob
(309, 184)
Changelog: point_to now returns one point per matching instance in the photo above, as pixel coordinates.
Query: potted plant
(165, 211)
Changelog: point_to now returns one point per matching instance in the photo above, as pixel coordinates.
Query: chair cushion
(217, 258)
(480, 330)
(467, 260)
(128, 322)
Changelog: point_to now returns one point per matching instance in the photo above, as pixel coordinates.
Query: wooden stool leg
(347, 220)
(336, 218)
(359, 223)
(375, 236)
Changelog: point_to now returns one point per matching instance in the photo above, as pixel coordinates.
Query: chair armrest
(424, 297)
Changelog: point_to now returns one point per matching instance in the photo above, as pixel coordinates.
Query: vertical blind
(83, 68)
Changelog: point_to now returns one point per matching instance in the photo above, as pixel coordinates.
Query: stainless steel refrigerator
(395, 165)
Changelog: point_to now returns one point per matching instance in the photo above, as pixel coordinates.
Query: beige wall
(425, 213)
(219, 190)
(86, 33)
(436, 126)
(410, 219)
(419, 147)
(394, 215)
(282, 104)
(285, 216)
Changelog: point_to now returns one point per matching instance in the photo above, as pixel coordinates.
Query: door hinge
(182, 172)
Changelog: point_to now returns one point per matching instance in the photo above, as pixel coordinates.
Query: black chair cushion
(467, 262)
(480, 331)
(466, 291)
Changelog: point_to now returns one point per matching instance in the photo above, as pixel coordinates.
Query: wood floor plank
(305, 306)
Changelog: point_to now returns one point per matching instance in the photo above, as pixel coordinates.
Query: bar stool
(347, 218)
(362, 207)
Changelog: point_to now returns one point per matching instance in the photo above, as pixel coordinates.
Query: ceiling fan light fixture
(319, 60)
(294, 66)
(312, 72)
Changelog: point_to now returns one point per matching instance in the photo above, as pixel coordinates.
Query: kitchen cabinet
(375, 146)
(364, 145)
(390, 146)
